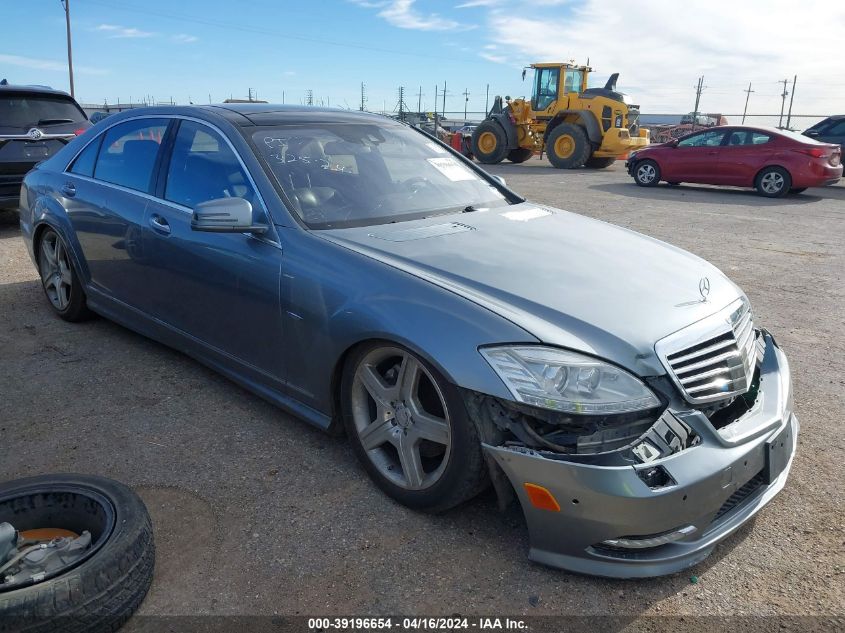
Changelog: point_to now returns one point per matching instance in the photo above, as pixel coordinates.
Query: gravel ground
(256, 512)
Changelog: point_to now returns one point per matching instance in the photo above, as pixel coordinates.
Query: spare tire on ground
(76, 554)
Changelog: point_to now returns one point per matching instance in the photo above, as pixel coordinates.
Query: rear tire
(647, 173)
(489, 143)
(59, 280)
(773, 182)
(599, 163)
(520, 154)
(101, 591)
(568, 146)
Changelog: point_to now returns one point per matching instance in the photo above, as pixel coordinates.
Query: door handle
(159, 224)
(68, 190)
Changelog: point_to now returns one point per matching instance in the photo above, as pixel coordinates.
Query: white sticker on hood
(452, 169)
(524, 215)
(436, 148)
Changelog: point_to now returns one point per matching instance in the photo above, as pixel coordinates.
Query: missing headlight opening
(634, 438)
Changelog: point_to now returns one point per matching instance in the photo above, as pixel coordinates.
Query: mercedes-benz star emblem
(704, 288)
(35, 134)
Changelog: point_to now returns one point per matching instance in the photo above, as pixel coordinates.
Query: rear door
(695, 159)
(106, 208)
(743, 153)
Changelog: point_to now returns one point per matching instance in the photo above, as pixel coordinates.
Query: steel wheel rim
(54, 266)
(487, 142)
(772, 182)
(564, 146)
(401, 417)
(646, 173)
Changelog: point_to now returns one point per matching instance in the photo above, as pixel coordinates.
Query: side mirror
(499, 179)
(673, 143)
(225, 215)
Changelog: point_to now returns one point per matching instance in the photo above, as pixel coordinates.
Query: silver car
(368, 278)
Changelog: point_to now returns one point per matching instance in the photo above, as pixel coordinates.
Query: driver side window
(711, 138)
(546, 87)
(203, 167)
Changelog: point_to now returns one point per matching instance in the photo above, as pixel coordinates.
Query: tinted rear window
(28, 110)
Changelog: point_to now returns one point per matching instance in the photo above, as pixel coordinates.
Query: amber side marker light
(541, 498)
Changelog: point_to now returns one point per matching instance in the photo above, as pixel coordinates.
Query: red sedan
(774, 162)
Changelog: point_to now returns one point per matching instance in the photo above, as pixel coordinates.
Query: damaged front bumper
(610, 522)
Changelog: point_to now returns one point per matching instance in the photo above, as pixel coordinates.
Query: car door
(106, 192)
(221, 289)
(695, 158)
(743, 153)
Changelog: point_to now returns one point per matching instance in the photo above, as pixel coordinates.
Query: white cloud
(49, 65)
(660, 53)
(117, 31)
(184, 38)
(403, 14)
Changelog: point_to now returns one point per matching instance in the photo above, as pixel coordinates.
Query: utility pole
(419, 100)
(698, 90)
(747, 95)
(363, 97)
(309, 97)
(791, 98)
(401, 104)
(283, 97)
(444, 99)
(66, 5)
(487, 101)
(466, 101)
(782, 102)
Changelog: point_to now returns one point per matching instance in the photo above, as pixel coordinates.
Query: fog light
(655, 477)
(642, 542)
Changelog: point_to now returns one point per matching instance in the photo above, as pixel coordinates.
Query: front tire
(410, 430)
(59, 279)
(520, 154)
(568, 146)
(773, 182)
(489, 143)
(647, 173)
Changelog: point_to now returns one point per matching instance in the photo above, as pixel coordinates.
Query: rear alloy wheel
(59, 279)
(489, 143)
(647, 173)
(520, 154)
(773, 182)
(410, 430)
(568, 147)
(599, 163)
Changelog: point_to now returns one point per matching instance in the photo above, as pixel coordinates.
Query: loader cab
(553, 82)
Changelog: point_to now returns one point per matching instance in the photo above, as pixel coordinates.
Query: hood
(566, 279)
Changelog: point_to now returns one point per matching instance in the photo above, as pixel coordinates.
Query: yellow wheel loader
(576, 126)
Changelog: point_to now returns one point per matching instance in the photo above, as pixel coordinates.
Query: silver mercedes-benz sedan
(365, 277)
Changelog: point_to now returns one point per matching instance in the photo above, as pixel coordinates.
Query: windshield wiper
(469, 209)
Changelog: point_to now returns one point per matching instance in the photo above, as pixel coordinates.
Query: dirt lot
(255, 512)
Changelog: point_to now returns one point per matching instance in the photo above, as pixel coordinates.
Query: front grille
(740, 495)
(714, 359)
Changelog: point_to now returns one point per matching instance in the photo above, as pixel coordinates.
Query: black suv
(831, 130)
(35, 123)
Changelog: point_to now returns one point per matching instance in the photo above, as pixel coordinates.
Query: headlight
(565, 381)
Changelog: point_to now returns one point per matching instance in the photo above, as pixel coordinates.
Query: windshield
(359, 174)
(28, 110)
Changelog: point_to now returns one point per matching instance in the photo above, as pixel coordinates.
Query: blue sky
(196, 48)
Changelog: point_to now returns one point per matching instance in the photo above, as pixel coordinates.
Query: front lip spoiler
(600, 502)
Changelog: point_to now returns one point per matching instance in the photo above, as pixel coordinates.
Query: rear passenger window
(203, 167)
(129, 153)
(757, 138)
(84, 163)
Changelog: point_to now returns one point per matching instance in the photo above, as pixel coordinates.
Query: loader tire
(599, 163)
(489, 143)
(520, 154)
(568, 147)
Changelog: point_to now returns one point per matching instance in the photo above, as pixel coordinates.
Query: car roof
(32, 89)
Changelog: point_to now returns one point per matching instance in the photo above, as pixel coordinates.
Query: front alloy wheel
(410, 429)
(647, 173)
